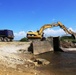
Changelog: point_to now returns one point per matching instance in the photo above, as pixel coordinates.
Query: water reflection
(61, 63)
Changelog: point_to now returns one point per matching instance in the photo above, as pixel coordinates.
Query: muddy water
(61, 63)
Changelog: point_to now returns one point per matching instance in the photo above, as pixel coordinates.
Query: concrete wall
(51, 44)
(42, 46)
(56, 44)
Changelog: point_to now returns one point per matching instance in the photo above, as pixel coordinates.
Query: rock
(35, 73)
(26, 66)
(40, 61)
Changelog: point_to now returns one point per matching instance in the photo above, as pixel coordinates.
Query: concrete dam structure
(51, 44)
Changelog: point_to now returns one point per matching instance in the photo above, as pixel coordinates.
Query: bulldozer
(40, 35)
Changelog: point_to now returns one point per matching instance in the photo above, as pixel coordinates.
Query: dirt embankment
(67, 44)
(16, 60)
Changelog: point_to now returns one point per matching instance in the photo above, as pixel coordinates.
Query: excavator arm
(55, 25)
(39, 34)
(73, 34)
(44, 27)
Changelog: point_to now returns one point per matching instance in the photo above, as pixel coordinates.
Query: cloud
(19, 35)
(58, 32)
(52, 32)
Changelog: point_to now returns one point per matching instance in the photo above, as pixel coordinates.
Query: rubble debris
(65, 44)
(40, 61)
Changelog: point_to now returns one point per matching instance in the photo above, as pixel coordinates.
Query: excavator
(39, 33)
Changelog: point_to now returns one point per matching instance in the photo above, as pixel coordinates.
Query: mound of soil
(67, 44)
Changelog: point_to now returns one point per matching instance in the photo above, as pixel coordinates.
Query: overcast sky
(22, 16)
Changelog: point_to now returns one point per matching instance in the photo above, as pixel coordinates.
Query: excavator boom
(39, 34)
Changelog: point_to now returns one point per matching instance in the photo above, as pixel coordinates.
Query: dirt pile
(67, 44)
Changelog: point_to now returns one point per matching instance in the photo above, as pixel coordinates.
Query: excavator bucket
(74, 36)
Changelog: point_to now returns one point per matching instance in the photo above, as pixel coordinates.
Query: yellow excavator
(39, 34)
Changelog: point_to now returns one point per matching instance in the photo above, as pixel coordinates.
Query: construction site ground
(16, 60)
